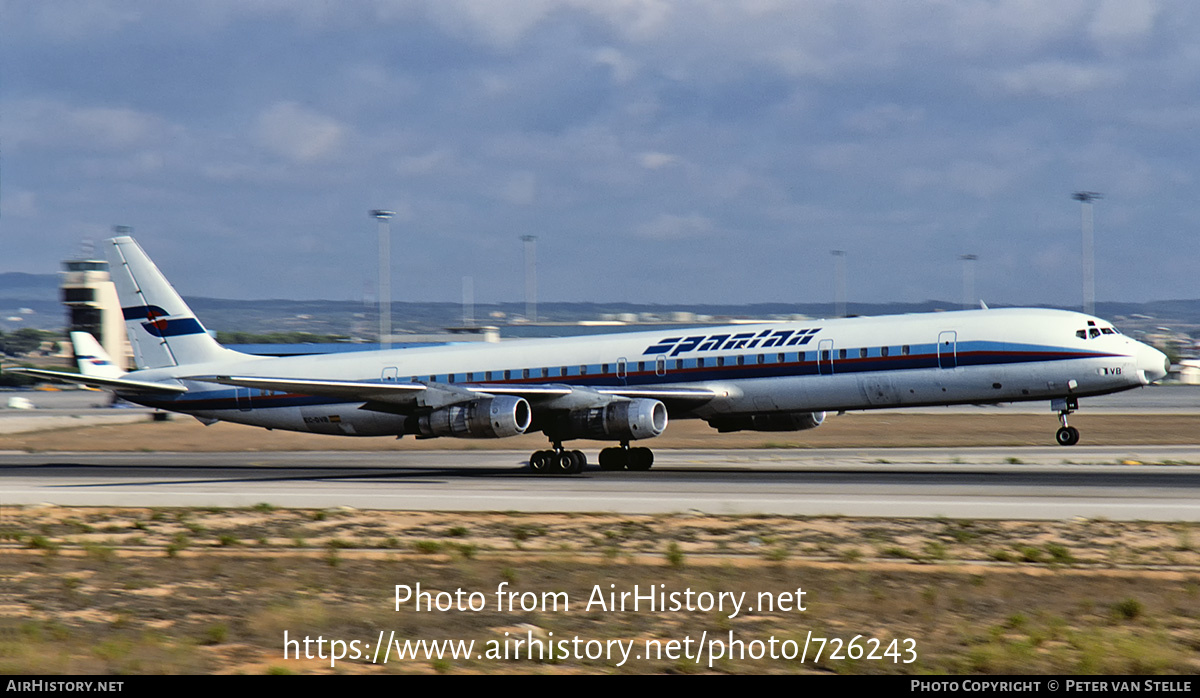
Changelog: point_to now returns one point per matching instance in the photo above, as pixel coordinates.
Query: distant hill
(20, 292)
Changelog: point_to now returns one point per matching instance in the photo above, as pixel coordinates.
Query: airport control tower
(92, 306)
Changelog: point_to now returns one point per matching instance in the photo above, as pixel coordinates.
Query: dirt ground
(137, 591)
(174, 590)
(853, 430)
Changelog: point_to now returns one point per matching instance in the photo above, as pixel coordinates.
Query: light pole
(468, 301)
(530, 277)
(1085, 199)
(839, 282)
(385, 276)
(968, 261)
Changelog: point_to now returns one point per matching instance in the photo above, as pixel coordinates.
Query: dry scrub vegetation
(111, 590)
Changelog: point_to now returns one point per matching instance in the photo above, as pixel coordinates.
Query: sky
(662, 151)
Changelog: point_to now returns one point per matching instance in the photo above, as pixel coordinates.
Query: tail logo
(159, 324)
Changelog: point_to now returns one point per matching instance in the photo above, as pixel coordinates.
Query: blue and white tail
(93, 361)
(162, 328)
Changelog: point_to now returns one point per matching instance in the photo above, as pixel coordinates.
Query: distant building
(93, 307)
(1189, 371)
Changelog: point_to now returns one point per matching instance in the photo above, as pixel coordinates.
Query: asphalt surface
(1137, 483)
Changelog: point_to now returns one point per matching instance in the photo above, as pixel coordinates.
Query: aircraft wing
(120, 385)
(407, 392)
(348, 390)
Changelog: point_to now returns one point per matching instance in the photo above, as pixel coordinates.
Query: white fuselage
(979, 356)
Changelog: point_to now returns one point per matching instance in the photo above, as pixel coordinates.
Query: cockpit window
(1107, 330)
(1093, 332)
(1082, 334)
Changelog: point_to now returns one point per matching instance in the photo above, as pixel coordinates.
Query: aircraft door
(825, 357)
(242, 398)
(948, 349)
(390, 374)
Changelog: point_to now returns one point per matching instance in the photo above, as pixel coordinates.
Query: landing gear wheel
(640, 458)
(1067, 436)
(557, 460)
(540, 461)
(613, 459)
(571, 462)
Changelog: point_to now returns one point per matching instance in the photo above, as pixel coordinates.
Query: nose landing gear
(1066, 435)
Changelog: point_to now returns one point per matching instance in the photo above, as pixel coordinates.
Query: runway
(1158, 483)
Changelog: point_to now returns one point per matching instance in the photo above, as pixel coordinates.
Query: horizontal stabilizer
(119, 385)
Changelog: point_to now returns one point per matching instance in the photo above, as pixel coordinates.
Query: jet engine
(484, 418)
(768, 421)
(620, 420)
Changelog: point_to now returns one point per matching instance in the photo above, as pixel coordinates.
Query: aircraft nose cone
(1152, 363)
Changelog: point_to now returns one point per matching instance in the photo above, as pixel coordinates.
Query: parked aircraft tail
(162, 329)
(93, 361)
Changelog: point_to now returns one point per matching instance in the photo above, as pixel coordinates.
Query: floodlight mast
(385, 276)
(968, 261)
(839, 282)
(530, 277)
(1085, 199)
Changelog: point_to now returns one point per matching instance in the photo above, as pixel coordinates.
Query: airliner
(622, 388)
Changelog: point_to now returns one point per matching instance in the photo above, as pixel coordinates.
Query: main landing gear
(559, 461)
(626, 458)
(1066, 435)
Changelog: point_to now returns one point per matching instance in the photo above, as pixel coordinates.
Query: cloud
(1122, 22)
(1058, 78)
(671, 227)
(42, 123)
(296, 133)
(884, 117)
(20, 203)
(656, 161)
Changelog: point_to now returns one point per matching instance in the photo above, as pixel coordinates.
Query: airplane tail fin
(93, 361)
(161, 327)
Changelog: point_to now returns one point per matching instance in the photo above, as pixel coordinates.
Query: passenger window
(603, 369)
(779, 358)
(508, 375)
(700, 362)
(904, 350)
(762, 359)
(862, 353)
(883, 351)
(741, 360)
(583, 370)
(841, 353)
(678, 364)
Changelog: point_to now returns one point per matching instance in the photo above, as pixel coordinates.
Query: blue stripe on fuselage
(802, 364)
